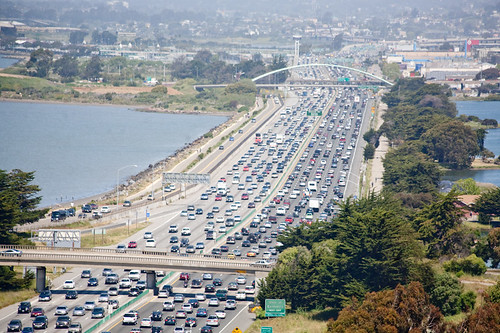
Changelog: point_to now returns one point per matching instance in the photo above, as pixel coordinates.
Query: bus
(258, 138)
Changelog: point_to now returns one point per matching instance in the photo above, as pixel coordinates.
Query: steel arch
(322, 65)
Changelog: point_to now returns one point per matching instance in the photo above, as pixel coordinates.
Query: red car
(184, 276)
(245, 168)
(289, 219)
(244, 196)
(37, 312)
(218, 197)
(132, 244)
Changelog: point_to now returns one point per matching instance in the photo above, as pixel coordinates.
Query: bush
(446, 294)
(472, 265)
(159, 90)
(468, 301)
(369, 152)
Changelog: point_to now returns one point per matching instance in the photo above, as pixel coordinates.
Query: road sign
(266, 330)
(315, 113)
(275, 308)
(237, 330)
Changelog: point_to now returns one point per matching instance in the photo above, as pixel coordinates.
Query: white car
(241, 296)
(168, 306)
(129, 318)
(173, 228)
(146, 322)
(200, 297)
(69, 284)
(187, 307)
(150, 243)
(186, 231)
(184, 213)
(105, 209)
(213, 302)
(125, 283)
(213, 320)
(250, 290)
(263, 262)
(134, 275)
(219, 219)
(230, 304)
(61, 310)
(241, 279)
(148, 235)
(221, 314)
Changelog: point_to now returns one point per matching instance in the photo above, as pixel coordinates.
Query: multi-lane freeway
(292, 169)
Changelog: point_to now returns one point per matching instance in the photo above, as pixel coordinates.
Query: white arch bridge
(308, 83)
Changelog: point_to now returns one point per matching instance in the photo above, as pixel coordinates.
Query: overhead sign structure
(185, 178)
(315, 113)
(59, 238)
(275, 307)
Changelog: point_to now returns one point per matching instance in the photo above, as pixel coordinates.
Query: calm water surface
(76, 150)
(6, 62)
(483, 110)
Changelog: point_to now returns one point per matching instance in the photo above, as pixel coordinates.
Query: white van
(134, 275)
(312, 186)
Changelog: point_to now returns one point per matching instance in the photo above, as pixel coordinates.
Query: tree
(279, 62)
(77, 37)
(481, 135)
(408, 170)
(241, 87)
(470, 265)
(93, 68)
(369, 151)
(466, 186)
(452, 143)
(485, 319)
(18, 202)
(446, 294)
(107, 38)
(404, 309)
(439, 224)
(337, 42)
(66, 66)
(488, 203)
(41, 61)
(488, 74)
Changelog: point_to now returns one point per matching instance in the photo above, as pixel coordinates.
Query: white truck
(314, 204)
(221, 188)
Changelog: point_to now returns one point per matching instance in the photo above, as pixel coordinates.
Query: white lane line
(233, 319)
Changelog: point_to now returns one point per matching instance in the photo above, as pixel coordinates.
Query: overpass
(149, 260)
(311, 83)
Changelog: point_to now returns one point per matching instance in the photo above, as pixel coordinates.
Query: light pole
(118, 182)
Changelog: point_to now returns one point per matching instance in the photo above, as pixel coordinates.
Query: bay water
(483, 110)
(77, 150)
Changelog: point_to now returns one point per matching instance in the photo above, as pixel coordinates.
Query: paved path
(377, 171)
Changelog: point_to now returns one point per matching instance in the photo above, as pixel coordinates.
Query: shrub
(472, 265)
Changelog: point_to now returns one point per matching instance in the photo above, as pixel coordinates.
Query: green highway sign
(266, 330)
(275, 307)
(315, 113)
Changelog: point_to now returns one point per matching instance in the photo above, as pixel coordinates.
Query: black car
(93, 282)
(24, 307)
(175, 248)
(217, 282)
(209, 288)
(170, 320)
(71, 294)
(15, 325)
(190, 322)
(206, 329)
(194, 302)
(45, 296)
(174, 239)
(156, 316)
(40, 322)
(134, 292)
(184, 241)
(156, 329)
(63, 321)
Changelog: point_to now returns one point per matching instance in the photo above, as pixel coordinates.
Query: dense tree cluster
(207, 67)
(18, 203)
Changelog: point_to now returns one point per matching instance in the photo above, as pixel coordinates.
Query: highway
(273, 191)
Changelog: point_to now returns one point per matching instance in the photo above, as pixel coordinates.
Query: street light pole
(118, 182)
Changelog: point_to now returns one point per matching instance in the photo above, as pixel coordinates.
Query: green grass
(293, 323)
(112, 236)
(15, 84)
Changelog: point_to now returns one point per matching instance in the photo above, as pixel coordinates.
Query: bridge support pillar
(41, 273)
(151, 281)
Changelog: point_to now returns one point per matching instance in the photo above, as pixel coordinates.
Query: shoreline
(135, 107)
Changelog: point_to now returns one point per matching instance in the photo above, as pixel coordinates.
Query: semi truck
(314, 204)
